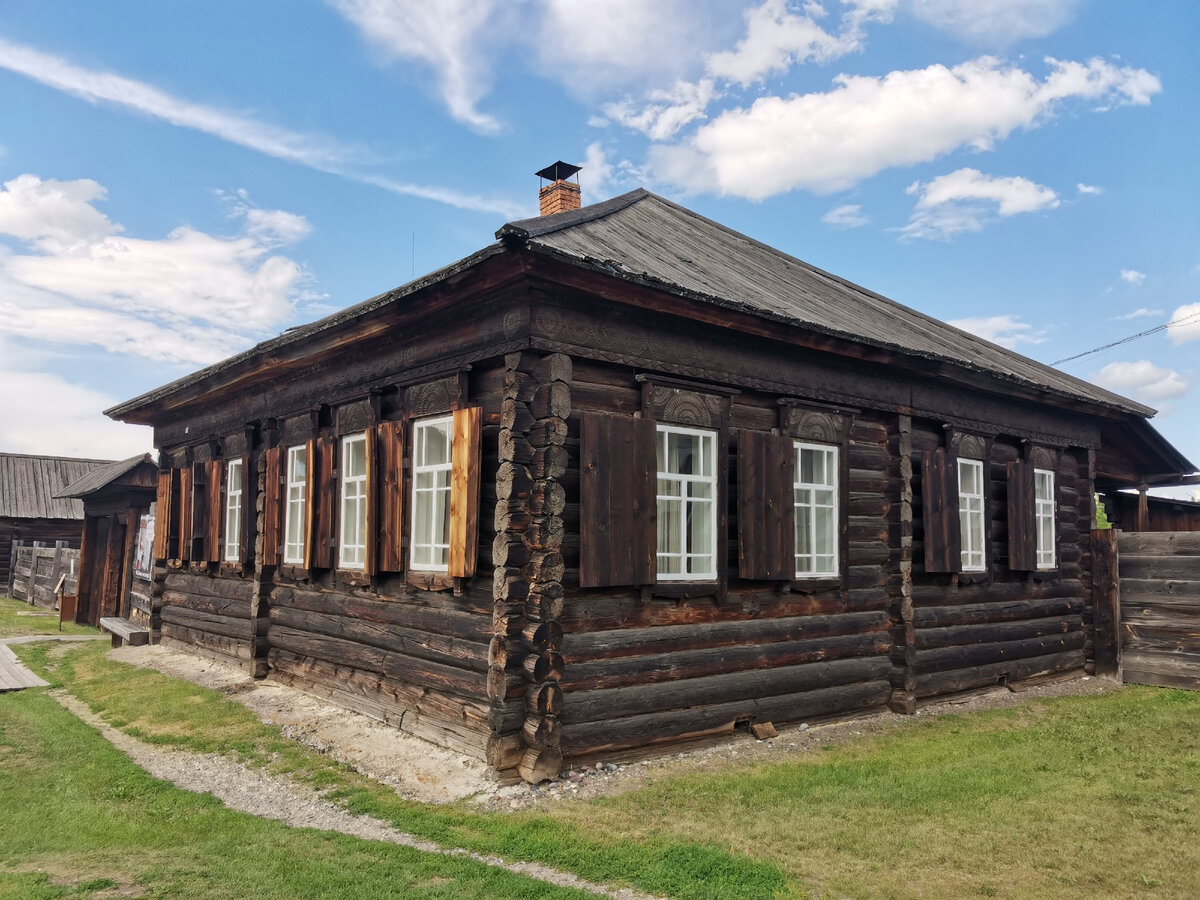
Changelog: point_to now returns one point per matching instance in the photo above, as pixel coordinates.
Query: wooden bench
(122, 631)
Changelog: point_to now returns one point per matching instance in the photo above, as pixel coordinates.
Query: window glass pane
(824, 531)
(700, 529)
(669, 526)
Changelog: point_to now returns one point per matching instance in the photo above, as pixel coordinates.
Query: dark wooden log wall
(210, 612)
(963, 631)
(649, 667)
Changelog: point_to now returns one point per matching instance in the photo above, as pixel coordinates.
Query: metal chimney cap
(559, 171)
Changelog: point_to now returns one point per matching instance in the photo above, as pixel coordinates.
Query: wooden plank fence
(35, 571)
(1160, 608)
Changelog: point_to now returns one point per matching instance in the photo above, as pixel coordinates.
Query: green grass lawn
(1091, 796)
(13, 625)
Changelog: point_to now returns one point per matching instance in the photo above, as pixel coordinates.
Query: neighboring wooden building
(1156, 513)
(29, 509)
(626, 478)
(115, 497)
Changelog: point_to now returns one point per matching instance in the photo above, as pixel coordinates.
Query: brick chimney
(559, 195)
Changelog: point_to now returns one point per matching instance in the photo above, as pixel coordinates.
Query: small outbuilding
(626, 478)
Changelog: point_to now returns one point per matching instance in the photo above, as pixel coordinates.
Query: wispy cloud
(1007, 331)
(995, 22)
(1132, 276)
(314, 151)
(963, 201)
(849, 215)
(1088, 190)
(1140, 313)
(1185, 324)
(1142, 380)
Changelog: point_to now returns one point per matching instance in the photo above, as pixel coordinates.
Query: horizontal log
(926, 594)
(607, 736)
(1160, 568)
(612, 703)
(1160, 587)
(1170, 637)
(444, 619)
(1150, 543)
(943, 659)
(232, 648)
(239, 609)
(995, 632)
(1010, 671)
(626, 671)
(222, 587)
(230, 626)
(692, 636)
(374, 659)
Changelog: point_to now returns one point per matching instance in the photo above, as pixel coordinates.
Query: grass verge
(13, 625)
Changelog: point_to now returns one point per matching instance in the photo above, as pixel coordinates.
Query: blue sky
(179, 181)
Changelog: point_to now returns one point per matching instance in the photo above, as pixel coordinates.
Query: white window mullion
(432, 465)
(816, 501)
(687, 493)
(1043, 480)
(971, 520)
(233, 510)
(352, 552)
(295, 520)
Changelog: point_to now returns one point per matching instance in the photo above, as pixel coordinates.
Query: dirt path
(282, 799)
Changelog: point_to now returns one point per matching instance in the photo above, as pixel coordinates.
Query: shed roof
(641, 237)
(29, 485)
(102, 476)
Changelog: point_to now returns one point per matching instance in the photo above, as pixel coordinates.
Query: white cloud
(596, 173)
(191, 298)
(443, 35)
(664, 112)
(1088, 189)
(1140, 313)
(1141, 380)
(849, 215)
(825, 142)
(996, 22)
(46, 414)
(778, 38)
(963, 201)
(315, 151)
(1132, 276)
(1186, 324)
(1007, 331)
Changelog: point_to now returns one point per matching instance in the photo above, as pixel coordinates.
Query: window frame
(662, 432)
(965, 512)
(295, 494)
(1045, 508)
(417, 470)
(361, 483)
(833, 486)
(234, 499)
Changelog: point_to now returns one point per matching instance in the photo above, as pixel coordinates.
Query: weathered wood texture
(210, 612)
(1160, 608)
(971, 630)
(36, 571)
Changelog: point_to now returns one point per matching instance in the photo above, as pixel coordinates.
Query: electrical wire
(1133, 337)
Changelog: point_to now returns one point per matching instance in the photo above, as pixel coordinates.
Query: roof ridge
(523, 229)
(84, 459)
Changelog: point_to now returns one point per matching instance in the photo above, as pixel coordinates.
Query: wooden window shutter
(371, 446)
(464, 491)
(216, 518)
(387, 480)
(618, 501)
(766, 506)
(1022, 534)
(185, 513)
(272, 503)
(939, 512)
(200, 512)
(162, 515)
(249, 517)
(322, 503)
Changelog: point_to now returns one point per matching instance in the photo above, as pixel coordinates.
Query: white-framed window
(352, 543)
(816, 498)
(1043, 516)
(294, 522)
(233, 510)
(970, 514)
(433, 441)
(687, 509)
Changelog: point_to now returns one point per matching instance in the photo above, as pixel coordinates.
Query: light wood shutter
(249, 512)
(939, 512)
(464, 491)
(618, 501)
(162, 515)
(1022, 529)
(388, 482)
(272, 503)
(766, 506)
(215, 513)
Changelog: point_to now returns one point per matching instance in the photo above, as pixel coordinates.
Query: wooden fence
(1160, 608)
(35, 571)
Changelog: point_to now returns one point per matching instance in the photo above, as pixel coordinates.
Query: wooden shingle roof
(102, 476)
(29, 485)
(645, 238)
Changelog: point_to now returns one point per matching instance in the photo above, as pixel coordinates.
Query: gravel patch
(284, 800)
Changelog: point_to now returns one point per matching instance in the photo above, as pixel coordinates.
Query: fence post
(13, 555)
(1106, 603)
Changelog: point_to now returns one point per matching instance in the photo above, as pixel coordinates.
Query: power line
(1133, 337)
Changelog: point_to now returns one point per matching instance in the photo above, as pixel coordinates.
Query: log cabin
(627, 478)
